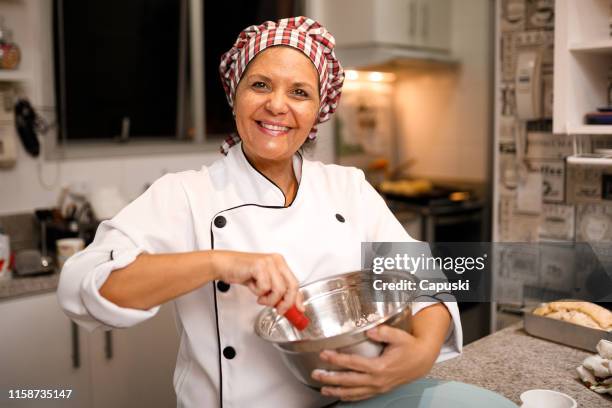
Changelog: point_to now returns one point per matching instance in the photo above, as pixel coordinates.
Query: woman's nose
(277, 103)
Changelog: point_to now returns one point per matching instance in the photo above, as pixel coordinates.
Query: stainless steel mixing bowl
(341, 309)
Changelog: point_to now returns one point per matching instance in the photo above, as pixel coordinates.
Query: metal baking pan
(563, 332)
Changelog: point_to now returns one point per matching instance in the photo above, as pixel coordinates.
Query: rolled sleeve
(159, 221)
(103, 310)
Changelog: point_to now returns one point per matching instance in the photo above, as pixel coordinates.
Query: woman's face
(276, 104)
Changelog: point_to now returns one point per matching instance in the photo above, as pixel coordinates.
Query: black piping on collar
(272, 182)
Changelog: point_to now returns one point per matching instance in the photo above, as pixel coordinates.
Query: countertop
(511, 361)
(33, 285)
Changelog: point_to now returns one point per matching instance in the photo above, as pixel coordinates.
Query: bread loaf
(577, 312)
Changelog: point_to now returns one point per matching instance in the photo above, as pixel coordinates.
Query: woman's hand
(406, 358)
(266, 275)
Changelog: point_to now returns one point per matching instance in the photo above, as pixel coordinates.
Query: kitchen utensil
(297, 318)
(431, 393)
(341, 309)
(66, 247)
(562, 332)
(546, 399)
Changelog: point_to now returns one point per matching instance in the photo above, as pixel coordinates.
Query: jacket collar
(257, 188)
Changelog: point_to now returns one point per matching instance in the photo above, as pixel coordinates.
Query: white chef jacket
(230, 205)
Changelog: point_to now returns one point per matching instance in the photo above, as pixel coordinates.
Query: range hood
(385, 57)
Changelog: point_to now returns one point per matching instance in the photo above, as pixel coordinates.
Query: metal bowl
(341, 309)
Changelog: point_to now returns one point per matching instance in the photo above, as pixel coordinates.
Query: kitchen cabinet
(395, 23)
(121, 368)
(134, 367)
(583, 62)
(36, 352)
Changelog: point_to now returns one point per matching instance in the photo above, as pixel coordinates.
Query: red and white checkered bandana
(301, 33)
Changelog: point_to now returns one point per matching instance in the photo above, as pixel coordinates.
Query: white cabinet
(396, 23)
(128, 368)
(36, 352)
(134, 367)
(583, 60)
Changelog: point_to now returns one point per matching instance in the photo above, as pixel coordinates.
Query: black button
(340, 218)
(223, 286)
(229, 352)
(220, 221)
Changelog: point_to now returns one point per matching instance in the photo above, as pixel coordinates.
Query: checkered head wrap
(301, 33)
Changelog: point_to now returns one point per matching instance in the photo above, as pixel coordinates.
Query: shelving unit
(583, 59)
(18, 76)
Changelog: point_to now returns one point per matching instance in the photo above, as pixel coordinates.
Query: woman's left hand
(405, 359)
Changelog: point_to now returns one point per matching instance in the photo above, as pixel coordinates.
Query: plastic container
(5, 255)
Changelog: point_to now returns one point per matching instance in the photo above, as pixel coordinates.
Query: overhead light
(371, 76)
(351, 75)
(375, 76)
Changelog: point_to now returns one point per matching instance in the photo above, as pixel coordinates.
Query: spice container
(10, 54)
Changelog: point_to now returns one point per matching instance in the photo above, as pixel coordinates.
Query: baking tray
(562, 332)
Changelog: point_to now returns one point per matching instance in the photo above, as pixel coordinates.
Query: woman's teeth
(274, 127)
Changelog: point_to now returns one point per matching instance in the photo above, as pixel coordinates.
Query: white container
(546, 399)
(5, 256)
(66, 247)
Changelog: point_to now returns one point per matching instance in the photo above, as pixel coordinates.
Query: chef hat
(301, 33)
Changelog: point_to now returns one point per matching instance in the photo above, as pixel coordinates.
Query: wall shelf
(601, 46)
(589, 129)
(14, 76)
(583, 62)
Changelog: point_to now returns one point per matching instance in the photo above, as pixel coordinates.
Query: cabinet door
(36, 352)
(396, 22)
(134, 367)
(434, 22)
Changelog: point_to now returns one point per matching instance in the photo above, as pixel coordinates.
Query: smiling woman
(276, 107)
(245, 232)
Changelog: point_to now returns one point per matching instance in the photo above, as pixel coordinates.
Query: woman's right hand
(266, 275)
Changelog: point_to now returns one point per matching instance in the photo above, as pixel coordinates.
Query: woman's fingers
(291, 285)
(277, 289)
(342, 378)
(348, 393)
(351, 361)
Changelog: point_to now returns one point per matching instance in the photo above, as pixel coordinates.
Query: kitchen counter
(33, 285)
(511, 361)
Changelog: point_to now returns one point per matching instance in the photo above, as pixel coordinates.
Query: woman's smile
(273, 128)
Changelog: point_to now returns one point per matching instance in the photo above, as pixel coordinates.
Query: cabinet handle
(425, 21)
(108, 344)
(412, 11)
(76, 353)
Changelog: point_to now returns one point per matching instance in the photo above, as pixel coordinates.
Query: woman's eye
(301, 92)
(259, 84)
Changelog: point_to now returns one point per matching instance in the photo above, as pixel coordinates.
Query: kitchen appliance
(30, 262)
(341, 309)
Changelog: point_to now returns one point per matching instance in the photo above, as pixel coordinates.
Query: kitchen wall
(444, 112)
(35, 183)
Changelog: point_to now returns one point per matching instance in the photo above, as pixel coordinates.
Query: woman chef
(243, 233)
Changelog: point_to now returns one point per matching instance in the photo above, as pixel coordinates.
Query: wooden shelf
(589, 129)
(595, 47)
(14, 76)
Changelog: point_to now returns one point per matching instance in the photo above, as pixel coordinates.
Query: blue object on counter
(429, 393)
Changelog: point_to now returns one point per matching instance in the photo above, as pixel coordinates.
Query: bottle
(10, 54)
(5, 255)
